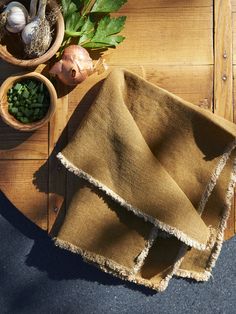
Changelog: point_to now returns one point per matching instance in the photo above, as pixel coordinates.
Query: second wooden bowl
(9, 119)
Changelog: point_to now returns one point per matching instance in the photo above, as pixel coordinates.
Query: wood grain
(28, 192)
(166, 36)
(140, 5)
(192, 83)
(234, 34)
(18, 145)
(223, 83)
(233, 4)
(57, 173)
(223, 78)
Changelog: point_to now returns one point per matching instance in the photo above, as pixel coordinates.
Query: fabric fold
(158, 170)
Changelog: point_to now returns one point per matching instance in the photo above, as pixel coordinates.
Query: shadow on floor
(58, 263)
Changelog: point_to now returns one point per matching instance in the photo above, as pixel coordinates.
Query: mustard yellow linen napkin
(160, 174)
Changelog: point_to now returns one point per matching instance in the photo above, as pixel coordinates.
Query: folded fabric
(157, 175)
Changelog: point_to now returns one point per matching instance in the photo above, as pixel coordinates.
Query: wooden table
(184, 46)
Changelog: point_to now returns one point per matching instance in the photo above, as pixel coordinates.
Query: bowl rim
(47, 55)
(26, 127)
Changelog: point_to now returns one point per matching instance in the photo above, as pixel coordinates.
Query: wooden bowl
(9, 119)
(11, 47)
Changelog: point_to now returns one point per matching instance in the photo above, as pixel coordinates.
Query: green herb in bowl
(28, 100)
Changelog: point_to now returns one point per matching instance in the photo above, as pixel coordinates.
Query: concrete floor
(36, 277)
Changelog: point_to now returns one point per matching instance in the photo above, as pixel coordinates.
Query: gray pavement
(36, 277)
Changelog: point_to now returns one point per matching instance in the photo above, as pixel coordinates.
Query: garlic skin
(37, 35)
(33, 9)
(17, 17)
(28, 31)
(74, 67)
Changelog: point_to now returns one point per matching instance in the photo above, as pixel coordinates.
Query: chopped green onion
(28, 100)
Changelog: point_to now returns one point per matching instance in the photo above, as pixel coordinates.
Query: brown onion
(74, 67)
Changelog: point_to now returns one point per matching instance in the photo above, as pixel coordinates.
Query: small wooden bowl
(12, 49)
(9, 119)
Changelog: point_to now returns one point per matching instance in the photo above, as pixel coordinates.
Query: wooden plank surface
(170, 43)
(233, 7)
(223, 74)
(27, 191)
(223, 83)
(192, 83)
(16, 145)
(141, 5)
(163, 36)
(57, 173)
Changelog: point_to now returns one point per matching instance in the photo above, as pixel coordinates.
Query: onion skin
(74, 67)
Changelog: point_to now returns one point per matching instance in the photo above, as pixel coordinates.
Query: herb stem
(72, 34)
(87, 9)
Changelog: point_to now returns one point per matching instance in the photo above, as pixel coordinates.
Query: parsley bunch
(89, 23)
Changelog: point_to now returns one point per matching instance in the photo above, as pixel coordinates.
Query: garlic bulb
(29, 31)
(17, 17)
(37, 34)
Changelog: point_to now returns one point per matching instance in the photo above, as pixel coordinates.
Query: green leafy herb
(105, 33)
(90, 22)
(107, 6)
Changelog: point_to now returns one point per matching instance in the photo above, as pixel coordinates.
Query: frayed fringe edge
(92, 257)
(180, 257)
(110, 267)
(216, 238)
(219, 238)
(144, 253)
(171, 230)
(193, 274)
(214, 177)
(176, 270)
(223, 223)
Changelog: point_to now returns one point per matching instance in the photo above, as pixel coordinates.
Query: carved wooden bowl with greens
(28, 101)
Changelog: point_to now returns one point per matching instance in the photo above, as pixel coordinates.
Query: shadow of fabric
(72, 125)
(76, 183)
(44, 255)
(210, 143)
(58, 263)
